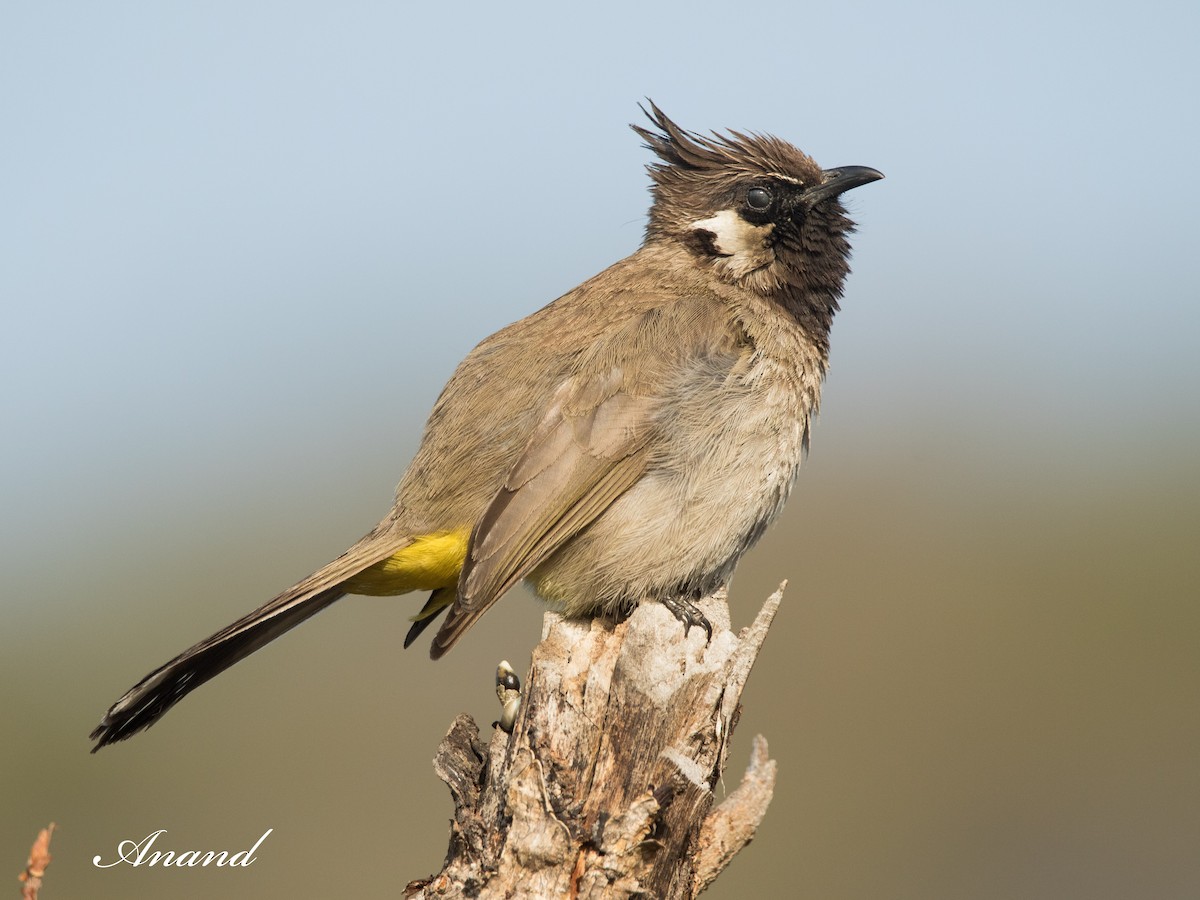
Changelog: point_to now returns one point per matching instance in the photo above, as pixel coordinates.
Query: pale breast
(731, 445)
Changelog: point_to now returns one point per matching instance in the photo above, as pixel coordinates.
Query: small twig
(732, 825)
(39, 858)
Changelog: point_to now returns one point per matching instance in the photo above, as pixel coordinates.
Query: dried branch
(605, 787)
(35, 868)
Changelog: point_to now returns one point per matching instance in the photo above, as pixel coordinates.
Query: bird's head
(755, 211)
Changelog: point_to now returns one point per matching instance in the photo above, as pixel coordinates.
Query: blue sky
(221, 220)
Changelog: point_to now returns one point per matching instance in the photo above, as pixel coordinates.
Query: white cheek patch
(743, 246)
(733, 234)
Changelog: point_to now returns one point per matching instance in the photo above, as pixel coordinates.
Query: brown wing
(596, 440)
(592, 445)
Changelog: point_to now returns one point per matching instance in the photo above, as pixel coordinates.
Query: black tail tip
(104, 734)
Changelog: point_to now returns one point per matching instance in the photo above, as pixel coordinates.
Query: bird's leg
(623, 611)
(685, 610)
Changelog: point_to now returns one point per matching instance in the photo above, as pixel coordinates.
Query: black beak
(837, 181)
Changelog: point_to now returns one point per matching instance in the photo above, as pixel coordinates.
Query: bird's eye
(758, 198)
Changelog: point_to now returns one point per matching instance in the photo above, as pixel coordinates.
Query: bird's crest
(686, 155)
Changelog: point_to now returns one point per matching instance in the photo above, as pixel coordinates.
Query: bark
(605, 788)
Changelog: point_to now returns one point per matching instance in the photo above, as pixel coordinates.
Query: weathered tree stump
(605, 788)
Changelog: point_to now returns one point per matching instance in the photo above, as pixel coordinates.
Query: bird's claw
(689, 614)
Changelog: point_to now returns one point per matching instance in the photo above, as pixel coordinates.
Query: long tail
(147, 701)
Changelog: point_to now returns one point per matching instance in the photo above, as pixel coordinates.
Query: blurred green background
(244, 245)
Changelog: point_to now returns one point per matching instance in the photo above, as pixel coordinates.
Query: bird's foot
(689, 614)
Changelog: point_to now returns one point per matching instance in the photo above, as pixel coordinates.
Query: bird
(626, 443)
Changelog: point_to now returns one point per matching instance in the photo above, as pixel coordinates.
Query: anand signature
(143, 853)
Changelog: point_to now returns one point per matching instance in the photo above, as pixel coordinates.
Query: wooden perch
(605, 787)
